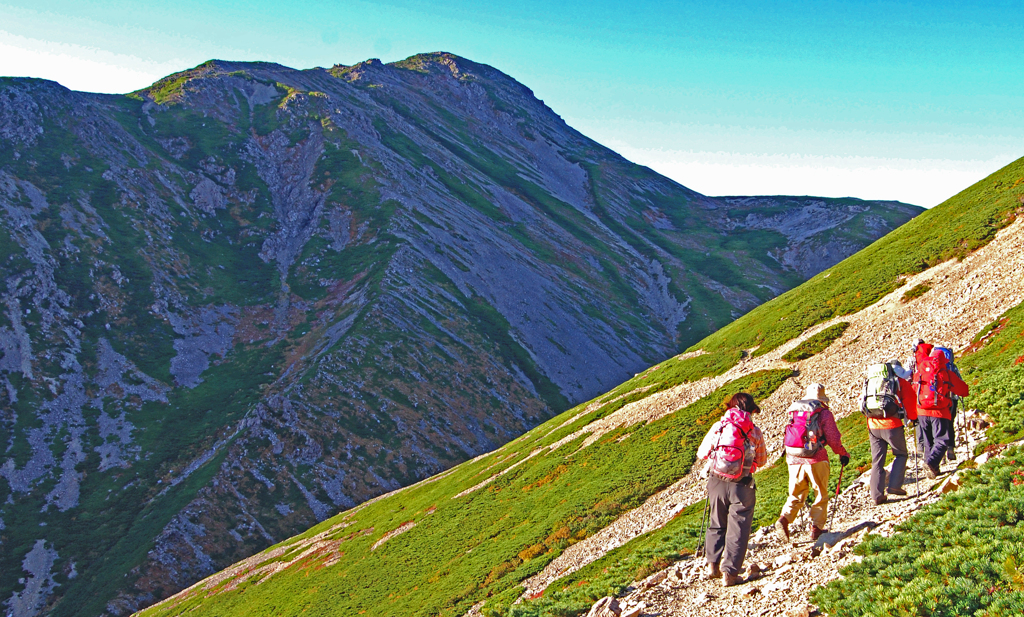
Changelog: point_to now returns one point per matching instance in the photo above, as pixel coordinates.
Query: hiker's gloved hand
(844, 460)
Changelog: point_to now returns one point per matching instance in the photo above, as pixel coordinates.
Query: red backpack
(933, 383)
(733, 456)
(804, 435)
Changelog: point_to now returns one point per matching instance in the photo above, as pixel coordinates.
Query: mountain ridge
(250, 295)
(467, 541)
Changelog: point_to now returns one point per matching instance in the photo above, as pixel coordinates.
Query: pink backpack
(733, 455)
(804, 434)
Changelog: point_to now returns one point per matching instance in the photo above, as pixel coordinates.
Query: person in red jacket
(919, 350)
(934, 385)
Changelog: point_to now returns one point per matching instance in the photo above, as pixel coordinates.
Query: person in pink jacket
(813, 470)
(735, 449)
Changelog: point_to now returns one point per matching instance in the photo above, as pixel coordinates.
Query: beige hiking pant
(801, 479)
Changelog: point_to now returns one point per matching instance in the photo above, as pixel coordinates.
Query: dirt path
(965, 296)
(790, 571)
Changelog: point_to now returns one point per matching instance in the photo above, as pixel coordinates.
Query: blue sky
(898, 100)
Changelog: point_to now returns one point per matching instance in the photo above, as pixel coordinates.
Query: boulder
(653, 579)
(605, 607)
(950, 484)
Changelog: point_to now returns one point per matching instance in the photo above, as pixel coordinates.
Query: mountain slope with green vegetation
(948, 231)
(249, 296)
(961, 556)
(476, 533)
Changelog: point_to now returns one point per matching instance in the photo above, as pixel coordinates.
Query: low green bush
(959, 556)
(916, 292)
(817, 343)
(994, 367)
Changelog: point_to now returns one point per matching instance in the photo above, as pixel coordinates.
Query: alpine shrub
(817, 343)
(958, 556)
(916, 292)
(995, 376)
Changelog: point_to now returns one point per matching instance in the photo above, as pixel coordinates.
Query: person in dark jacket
(935, 420)
(731, 497)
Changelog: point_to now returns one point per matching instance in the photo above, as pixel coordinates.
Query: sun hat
(816, 391)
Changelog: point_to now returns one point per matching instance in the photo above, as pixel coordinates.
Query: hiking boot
(712, 571)
(816, 532)
(881, 500)
(782, 527)
(897, 491)
(932, 471)
(951, 455)
(753, 572)
(729, 580)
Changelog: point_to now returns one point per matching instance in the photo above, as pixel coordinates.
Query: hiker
(951, 452)
(735, 450)
(935, 385)
(918, 350)
(811, 428)
(886, 400)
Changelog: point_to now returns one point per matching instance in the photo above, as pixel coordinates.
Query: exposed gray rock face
(249, 296)
(209, 332)
(821, 231)
(38, 582)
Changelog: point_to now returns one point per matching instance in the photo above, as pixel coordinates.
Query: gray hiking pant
(732, 513)
(936, 437)
(881, 439)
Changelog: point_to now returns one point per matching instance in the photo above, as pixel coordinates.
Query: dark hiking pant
(951, 453)
(881, 439)
(732, 513)
(936, 437)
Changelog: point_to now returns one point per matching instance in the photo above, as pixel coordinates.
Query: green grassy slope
(964, 554)
(464, 549)
(481, 546)
(952, 229)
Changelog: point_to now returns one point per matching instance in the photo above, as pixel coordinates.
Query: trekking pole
(705, 518)
(839, 486)
(963, 428)
(707, 500)
(917, 468)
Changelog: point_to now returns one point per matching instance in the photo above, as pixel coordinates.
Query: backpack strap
(739, 428)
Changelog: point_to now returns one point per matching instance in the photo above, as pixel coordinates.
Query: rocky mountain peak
(249, 295)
